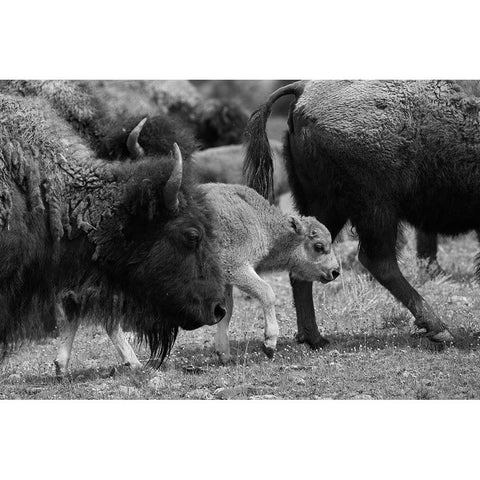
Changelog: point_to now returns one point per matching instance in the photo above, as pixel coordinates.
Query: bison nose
(335, 274)
(219, 312)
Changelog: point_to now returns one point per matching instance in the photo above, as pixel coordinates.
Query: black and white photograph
(241, 235)
(193, 240)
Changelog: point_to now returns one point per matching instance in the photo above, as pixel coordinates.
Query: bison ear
(296, 225)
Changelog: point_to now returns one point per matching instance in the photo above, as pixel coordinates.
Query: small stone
(14, 378)
(157, 383)
(127, 390)
(234, 392)
(458, 298)
(199, 394)
(263, 397)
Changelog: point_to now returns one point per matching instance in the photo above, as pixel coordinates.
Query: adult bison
(376, 153)
(130, 240)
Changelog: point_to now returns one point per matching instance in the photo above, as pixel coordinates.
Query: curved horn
(170, 193)
(136, 151)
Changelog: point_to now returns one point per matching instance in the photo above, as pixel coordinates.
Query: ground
(372, 354)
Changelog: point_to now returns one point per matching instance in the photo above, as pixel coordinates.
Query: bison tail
(477, 261)
(258, 164)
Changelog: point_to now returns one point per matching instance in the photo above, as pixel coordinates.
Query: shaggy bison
(376, 153)
(120, 239)
(255, 237)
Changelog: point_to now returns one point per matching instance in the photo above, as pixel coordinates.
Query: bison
(212, 122)
(128, 240)
(255, 237)
(376, 153)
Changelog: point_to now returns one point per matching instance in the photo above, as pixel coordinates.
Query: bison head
(313, 258)
(159, 246)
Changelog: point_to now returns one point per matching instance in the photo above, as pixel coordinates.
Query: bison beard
(376, 153)
(112, 237)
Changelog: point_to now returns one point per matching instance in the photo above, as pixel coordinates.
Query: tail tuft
(258, 165)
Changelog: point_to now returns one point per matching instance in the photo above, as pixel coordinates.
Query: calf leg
(124, 349)
(68, 328)
(379, 258)
(249, 282)
(222, 343)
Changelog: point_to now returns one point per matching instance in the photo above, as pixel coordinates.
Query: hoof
(269, 351)
(60, 371)
(443, 337)
(313, 343)
(224, 358)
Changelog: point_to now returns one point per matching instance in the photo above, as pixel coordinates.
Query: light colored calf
(255, 237)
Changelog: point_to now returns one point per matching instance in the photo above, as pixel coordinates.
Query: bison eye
(192, 236)
(319, 247)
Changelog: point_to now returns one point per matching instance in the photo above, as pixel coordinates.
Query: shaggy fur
(220, 122)
(224, 165)
(377, 153)
(156, 138)
(106, 129)
(104, 113)
(99, 230)
(256, 237)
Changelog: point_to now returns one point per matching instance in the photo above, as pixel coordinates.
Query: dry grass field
(372, 355)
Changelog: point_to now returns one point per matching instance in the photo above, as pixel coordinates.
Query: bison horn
(136, 151)
(170, 194)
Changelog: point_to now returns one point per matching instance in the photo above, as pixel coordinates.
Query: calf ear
(296, 225)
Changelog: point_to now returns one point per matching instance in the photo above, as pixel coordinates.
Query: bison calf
(255, 237)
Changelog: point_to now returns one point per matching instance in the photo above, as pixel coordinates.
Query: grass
(372, 352)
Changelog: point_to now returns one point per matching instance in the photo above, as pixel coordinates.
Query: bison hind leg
(378, 255)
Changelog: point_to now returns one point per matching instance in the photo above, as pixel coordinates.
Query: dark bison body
(120, 239)
(376, 153)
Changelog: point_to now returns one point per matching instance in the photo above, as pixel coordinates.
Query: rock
(362, 396)
(242, 390)
(128, 390)
(157, 383)
(199, 394)
(14, 378)
(458, 298)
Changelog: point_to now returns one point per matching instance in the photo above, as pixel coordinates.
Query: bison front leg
(124, 349)
(222, 343)
(249, 282)
(67, 328)
(380, 259)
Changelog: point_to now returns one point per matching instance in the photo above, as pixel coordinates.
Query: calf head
(313, 258)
